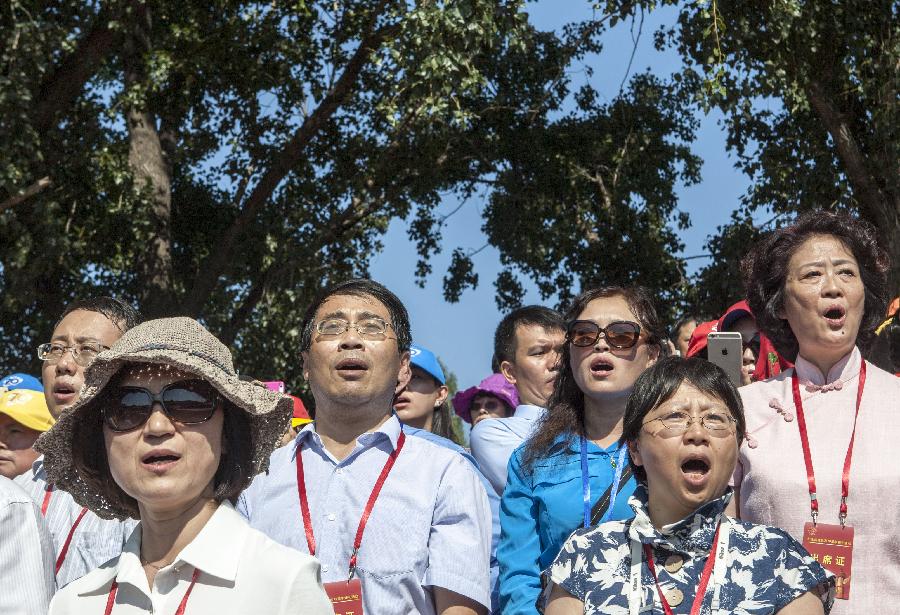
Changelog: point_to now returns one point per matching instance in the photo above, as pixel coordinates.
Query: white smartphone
(725, 349)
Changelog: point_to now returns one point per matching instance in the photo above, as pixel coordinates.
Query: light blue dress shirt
(541, 507)
(430, 527)
(492, 496)
(95, 540)
(493, 441)
(26, 554)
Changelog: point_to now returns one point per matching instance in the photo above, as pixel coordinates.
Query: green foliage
(809, 91)
(285, 137)
(583, 197)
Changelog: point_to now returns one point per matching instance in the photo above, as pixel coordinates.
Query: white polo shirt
(241, 571)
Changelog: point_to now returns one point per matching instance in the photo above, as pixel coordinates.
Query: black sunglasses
(187, 402)
(620, 334)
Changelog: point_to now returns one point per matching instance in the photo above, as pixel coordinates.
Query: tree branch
(286, 159)
(27, 193)
(348, 218)
(865, 186)
(64, 84)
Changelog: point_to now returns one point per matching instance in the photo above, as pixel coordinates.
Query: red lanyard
(65, 549)
(111, 599)
(704, 577)
(807, 457)
(304, 504)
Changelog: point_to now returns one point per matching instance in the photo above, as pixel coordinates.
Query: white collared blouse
(241, 571)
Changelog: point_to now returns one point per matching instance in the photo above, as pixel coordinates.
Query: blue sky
(462, 333)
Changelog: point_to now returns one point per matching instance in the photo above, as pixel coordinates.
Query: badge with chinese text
(832, 546)
(346, 597)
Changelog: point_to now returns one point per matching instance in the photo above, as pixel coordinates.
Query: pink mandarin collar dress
(771, 474)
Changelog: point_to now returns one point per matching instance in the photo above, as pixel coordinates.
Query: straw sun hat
(181, 343)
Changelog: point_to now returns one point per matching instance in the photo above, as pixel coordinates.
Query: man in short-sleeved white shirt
(426, 545)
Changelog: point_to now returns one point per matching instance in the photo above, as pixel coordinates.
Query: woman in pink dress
(816, 460)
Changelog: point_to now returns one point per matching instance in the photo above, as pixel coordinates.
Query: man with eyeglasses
(82, 541)
(406, 520)
(527, 345)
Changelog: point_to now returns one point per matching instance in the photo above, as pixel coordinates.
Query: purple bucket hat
(495, 385)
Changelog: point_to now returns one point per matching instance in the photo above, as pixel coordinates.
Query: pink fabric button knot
(776, 405)
(837, 385)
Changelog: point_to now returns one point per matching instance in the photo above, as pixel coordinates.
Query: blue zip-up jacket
(541, 507)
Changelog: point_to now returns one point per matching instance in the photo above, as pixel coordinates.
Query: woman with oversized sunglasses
(573, 472)
(166, 432)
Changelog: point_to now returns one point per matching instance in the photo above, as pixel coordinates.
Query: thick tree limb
(27, 193)
(152, 172)
(63, 85)
(284, 161)
(343, 222)
(865, 186)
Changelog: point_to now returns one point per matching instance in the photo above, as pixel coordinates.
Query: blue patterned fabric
(767, 568)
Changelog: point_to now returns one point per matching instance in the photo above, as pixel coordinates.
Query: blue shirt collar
(390, 429)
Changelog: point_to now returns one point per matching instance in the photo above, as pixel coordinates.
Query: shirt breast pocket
(557, 489)
(396, 544)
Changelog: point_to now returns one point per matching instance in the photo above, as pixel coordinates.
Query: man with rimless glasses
(82, 540)
(401, 521)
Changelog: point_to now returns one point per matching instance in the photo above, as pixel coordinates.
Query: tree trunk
(878, 206)
(152, 172)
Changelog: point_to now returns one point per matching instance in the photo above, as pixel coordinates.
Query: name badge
(345, 596)
(832, 546)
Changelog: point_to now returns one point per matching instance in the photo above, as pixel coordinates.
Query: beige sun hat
(181, 343)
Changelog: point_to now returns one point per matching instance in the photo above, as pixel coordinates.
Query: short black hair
(673, 332)
(765, 271)
(529, 315)
(234, 474)
(360, 287)
(120, 313)
(661, 380)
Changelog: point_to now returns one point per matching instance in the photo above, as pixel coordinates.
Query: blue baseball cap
(21, 381)
(424, 359)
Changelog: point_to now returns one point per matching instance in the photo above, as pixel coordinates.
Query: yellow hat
(26, 407)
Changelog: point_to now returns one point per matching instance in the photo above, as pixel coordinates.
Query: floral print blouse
(766, 570)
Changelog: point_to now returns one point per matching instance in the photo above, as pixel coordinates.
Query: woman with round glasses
(683, 425)
(573, 471)
(166, 432)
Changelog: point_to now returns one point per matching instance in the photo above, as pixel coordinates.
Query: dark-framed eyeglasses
(619, 334)
(83, 354)
(678, 422)
(372, 328)
(188, 402)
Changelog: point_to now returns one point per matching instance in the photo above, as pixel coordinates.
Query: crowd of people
(613, 466)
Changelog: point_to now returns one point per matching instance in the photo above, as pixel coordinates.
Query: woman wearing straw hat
(166, 432)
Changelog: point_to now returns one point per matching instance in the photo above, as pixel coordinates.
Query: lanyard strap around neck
(65, 548)
(61, 558)
(48, 493)
(367, 511)
(807, 456)
(716, 565)
(586, 484)
(111, 599)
